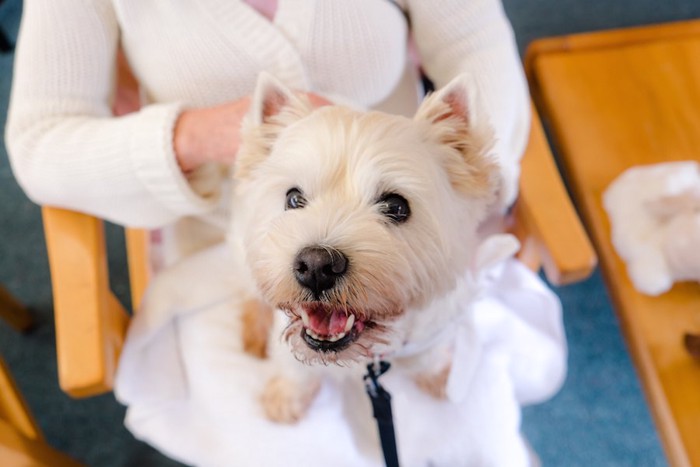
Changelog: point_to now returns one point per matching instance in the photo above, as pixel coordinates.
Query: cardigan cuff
(155, 164)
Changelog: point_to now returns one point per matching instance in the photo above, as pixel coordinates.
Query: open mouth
(329, 328)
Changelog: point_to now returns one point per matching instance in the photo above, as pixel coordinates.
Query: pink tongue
(327, 321)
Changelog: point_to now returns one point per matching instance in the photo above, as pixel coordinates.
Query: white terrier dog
(361, 227)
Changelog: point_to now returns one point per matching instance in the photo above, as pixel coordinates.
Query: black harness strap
(403, 12)
(381, 406)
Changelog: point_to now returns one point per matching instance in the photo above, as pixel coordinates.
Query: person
(196, 64)
(79, 141)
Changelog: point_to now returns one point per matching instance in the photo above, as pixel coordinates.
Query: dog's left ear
(452, 115)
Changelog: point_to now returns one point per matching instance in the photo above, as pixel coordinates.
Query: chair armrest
(547, 223)
(90, 321)
(138, 254)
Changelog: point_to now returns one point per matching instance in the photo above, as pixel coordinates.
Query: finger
(318, 101)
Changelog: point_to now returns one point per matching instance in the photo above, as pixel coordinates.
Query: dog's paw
(434, 384)
(286, 401)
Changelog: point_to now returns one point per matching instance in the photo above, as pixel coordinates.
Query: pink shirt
(266, 7)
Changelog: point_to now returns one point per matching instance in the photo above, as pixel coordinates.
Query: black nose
(318, 268)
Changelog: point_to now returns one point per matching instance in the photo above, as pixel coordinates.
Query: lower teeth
(329, 339)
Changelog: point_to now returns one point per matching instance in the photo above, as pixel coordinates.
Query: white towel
(193, 394)
(654, 213)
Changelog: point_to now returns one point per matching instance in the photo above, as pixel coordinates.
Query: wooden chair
(613, 100)
(21, 442)
(91, 323)
(13, 312)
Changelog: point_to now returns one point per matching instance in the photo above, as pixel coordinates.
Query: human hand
(212, 134)
(209, 134)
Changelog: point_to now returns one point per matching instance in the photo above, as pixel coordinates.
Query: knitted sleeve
(65, 148)
(474, 36)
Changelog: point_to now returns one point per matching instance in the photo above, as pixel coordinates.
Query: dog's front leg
(256, 324)
(291, 389)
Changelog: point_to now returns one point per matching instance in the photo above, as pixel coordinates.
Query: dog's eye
(295, 199)
(395, 207)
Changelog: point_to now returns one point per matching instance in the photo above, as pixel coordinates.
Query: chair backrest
(91, 323)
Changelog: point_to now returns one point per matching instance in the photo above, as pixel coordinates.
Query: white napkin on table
(654, 213)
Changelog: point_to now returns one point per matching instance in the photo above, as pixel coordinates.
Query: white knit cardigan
(67, 150)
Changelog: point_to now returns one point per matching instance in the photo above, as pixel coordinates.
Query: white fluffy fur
(402, 277)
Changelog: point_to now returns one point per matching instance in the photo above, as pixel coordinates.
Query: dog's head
(351, 220)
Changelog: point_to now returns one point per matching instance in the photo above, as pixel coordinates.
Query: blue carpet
(598, 419)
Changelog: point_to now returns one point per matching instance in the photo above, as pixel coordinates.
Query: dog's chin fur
(343, 162)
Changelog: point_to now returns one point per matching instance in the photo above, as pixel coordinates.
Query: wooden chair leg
(21, 440)
(13, 408)
(14, 312)
(18, 451)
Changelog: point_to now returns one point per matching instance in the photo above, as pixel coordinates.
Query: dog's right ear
(272, 101)
(273, 107)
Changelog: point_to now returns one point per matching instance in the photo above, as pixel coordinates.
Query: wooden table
(613, 100)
